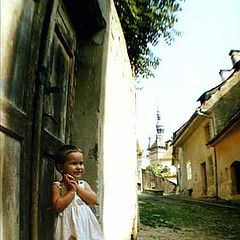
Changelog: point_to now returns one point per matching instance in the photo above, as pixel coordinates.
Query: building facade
(159, 154)
(206, 148)
(228, 162)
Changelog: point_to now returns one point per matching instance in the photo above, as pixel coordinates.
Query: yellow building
(227, 152)
(194, 159)
(206, 148)
(166, 161)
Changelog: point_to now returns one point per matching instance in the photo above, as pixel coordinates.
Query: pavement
(219, 221)
(205, 200)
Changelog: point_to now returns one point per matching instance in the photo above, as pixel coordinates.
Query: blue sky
(190, 66)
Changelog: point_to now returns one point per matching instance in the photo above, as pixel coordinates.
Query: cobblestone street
(171, 218)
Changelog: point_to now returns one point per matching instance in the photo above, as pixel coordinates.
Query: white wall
(119, 140)
(104, 125)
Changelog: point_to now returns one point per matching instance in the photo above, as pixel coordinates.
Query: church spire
(160, 131)
(159, 127)
(158, 148)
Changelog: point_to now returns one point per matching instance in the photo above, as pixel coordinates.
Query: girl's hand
(70, 182)
(87, 194)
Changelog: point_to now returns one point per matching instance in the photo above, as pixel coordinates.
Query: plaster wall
(119, 140)
(231, 142)
(196, 152)
(104, 125)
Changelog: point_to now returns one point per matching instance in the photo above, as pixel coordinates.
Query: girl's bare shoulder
(86, 185)
(57, 184)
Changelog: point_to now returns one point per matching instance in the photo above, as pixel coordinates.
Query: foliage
(158, 169)
(145, 23)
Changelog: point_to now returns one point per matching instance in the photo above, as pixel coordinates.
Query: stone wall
(154, 183)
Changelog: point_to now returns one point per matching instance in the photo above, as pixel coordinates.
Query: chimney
(224, 74)
(235, 57)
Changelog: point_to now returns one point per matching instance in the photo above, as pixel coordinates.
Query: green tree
(158, 169)
(145, 23)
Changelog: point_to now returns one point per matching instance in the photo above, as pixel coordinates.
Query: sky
(189, 66)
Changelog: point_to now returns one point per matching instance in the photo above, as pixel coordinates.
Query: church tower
(158, 148)
(160, 131)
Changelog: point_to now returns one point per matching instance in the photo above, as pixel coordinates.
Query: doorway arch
(235, 177)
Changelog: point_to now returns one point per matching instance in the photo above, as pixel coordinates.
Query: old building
(194, 159)
(158, 148)
(226, 144)
(167, 161)
(160, 153)
(206, 148)
(226, 140)
(65, 78)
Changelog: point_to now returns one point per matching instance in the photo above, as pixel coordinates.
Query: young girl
(71, 197)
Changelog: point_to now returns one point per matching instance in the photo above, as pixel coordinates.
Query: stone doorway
(235, 175)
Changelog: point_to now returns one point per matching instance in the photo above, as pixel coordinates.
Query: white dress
(76, 221)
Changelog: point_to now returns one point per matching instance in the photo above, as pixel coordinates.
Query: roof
(206, 103)
(228, 126)
(207, 95)
(168, 153)
(154, 145)
(184, 127)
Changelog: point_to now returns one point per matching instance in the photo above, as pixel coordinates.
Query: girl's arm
(87, 194)
(61, 202)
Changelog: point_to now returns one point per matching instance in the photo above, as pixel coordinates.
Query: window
(207, 130)
(189, 170)
(210, 163)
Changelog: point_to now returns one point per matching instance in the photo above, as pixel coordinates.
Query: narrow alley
(172, 217)
(144, 95)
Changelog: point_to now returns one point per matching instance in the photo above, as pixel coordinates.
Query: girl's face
(73, 165)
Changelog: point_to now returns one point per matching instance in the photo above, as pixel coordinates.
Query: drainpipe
(200, 113)
(216, 173)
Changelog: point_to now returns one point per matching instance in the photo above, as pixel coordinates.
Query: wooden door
(14, 171)
(35, 116)
(15, 123)
(54, 113)
(204, 178)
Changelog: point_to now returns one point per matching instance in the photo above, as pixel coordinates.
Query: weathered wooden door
(53, 112)
(15, 122)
